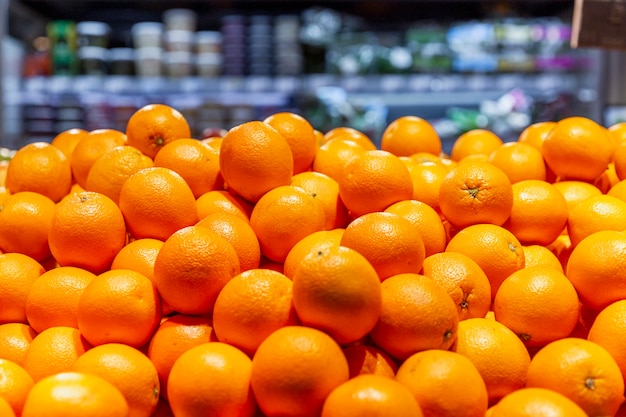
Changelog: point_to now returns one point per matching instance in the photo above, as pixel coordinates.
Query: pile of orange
(283, 271)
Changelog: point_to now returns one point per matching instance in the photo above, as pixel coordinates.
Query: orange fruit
(14, 341)
(239, 234)
(25, 219)
(5, 408)
(537, 255)
(255, 158)
(562, 248)
(194, 290)
(539, 212)
(539, 304)
(326, 191)
(119, 306)
(212, 379)
(67, 140)
(519, 161)
(196, 162)
(578, 148)
(174, 336)
(87, 231)
(475, 142)
(17, 274)
(498, 354)
(350, 133)
(223, 201)
(153, 126)
(282, 217)
(294, 369)
(618, 190)
(596, 213)
(138, 255)
(371, 395)
(333, 156)
(476, 192)
(576, 191)
(300, 136)
(617, 131)
(432, 375)
(156, 202)
(607, 331)
(54, 350)
(373, 181)
(536, 402)
(251, 306)
(417, 314)
(53, 297)
(619, 159)
(95, 144)
(368, 359)
(390, 242)
(535, 133)
(73, 394)
(465, 282)
(581, 370)
(15, 384)
(41, 168)
(427, 178)
(319, 240)
(129, 370)
(337, 290)
(109, 172)
(407, 135)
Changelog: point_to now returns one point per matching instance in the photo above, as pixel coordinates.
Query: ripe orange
(14, 341)
(333, 156)
(607, 331)
(300, 136)
(433, 375)
(87, 231)
(619, 159)
(25, 219)
(326, 192)
(251, 306)
(417, 314)
(601, 212)
(371, 395)
(618, 190)
(475, 142)
(17, 274)
(15, 385)
(319, 240)
(294, 369)
(255, 158)
(536, 402)
(576, 191)
(223, 201)
(407, 135)
(368, 359)
(67, 140)
(155, 125)
(41, 168)
(535, 133)
(5, 408)
(94, 145)
(350, 133)
(212, 379)
(476, 192)
(519, 161)
(138, 255)
(537, 255)
(427, 178)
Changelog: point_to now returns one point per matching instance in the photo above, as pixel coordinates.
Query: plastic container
(180, 19)
(178, 64)
(93, 60)
(91, 33)
(178, 41)
(208, 42)
(147, 34)
(209, 64)
(149, 62)
(122, 61)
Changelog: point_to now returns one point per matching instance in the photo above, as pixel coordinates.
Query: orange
(373, 181)
(73, 394)
(578, 148)
(14, 341)
(212, 379)
(519, 161)
(214, 142)
(194, 290)
(119, 306)
(54, 350)
(156, 202)
(87, 231)
(536, 402)
(239, 234)
(109, 172)
(350, 133)
(17, 274)
(539, 212)
(333, 156)
(326, 191)
(390, 242)
(173, 337)
(433, 375)
(607, 331)
(581, 370)
(475, 142)
(601, 212)
(465, 282)
(562, 248)
(15, 384)
(427, 178)
(427, 220)
(255, 158)
(535, 133)
(539, 304)
(576, 191)
(619, 159)
(154, 126)
(337, 290)
(251, 306)
(319, 240)
(138, 255)
(95, 144)
(294, 369)
(67, 140)
(496, 251)
(41, 168)
(300, 136)
(537, 255)
(618, 131)
(596, 268)
(417, 314)
(53, 297)
(5, 408)
(368, 359)
(497, 352)
(407, 135)
(282, 217)
(25, 219)
(196, 162)
(223, 201)
(371, 395)
(476, 192)
(129, 370)
(618, 190)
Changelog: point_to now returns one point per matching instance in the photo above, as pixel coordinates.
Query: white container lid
(93, 52)
(92, 28)
(209, 58)
(122, 54)
(147, 28)
(184, 36)
(148, 53)
(208, 36)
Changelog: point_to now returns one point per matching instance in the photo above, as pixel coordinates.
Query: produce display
(279, 270)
